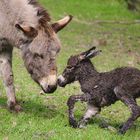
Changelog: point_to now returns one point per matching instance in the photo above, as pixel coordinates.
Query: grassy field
(44, 117)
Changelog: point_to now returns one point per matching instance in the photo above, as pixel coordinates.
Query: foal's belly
(108, 99)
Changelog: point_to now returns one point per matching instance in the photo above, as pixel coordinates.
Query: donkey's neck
(86, 71)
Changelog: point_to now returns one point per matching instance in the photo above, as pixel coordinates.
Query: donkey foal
(101, 89)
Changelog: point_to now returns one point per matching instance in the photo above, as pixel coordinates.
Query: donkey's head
(39, 51)
(74, 64)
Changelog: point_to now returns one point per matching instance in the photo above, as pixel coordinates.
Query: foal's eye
(70, 68)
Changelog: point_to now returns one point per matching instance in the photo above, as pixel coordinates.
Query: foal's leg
(131, 103)
(71, 102)
(91, 111)
(7, 75)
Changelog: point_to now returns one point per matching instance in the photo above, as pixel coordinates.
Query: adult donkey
(26, 25)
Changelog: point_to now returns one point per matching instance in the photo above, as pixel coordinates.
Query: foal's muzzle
(61, 81)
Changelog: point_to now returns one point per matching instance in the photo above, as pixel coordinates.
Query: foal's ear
(89, 53)
(61, 23)
(27, 30)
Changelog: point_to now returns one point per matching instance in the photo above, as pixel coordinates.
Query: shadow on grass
(3, 102)
(108, 124)
(35, 109)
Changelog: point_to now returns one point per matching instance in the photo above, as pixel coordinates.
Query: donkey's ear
(89, 54)
(61, 23)
(27, 30)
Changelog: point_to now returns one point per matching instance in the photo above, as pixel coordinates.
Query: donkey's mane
(41, 12)
(27, 12)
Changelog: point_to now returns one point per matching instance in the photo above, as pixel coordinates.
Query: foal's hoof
(82, 124)
(121, 132)
(73, 123)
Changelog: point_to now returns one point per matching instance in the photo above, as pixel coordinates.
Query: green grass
(44, 117)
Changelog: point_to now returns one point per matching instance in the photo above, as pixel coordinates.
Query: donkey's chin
(48, 84)
(49, 89)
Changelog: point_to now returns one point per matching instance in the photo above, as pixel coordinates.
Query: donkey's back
(13, 12)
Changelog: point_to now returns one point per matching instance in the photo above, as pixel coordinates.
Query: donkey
(101, 89)
(27, 25)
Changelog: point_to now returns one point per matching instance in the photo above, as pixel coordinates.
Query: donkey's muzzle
(50, 89)
(49, 84)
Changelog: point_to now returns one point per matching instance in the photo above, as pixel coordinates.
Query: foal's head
(74, 65)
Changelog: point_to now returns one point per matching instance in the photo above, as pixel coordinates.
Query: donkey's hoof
(14, 107)
(17, 108)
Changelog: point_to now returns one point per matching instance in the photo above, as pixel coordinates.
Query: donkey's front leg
(7, 75)
(71, 102)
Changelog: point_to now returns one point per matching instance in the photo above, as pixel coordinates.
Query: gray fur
(26, 25)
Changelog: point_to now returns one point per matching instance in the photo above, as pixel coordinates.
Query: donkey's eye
(39, 55)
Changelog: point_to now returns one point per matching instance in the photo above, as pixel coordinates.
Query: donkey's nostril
(51, 88)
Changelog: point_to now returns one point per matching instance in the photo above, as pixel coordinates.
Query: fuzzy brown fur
(101, 89)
